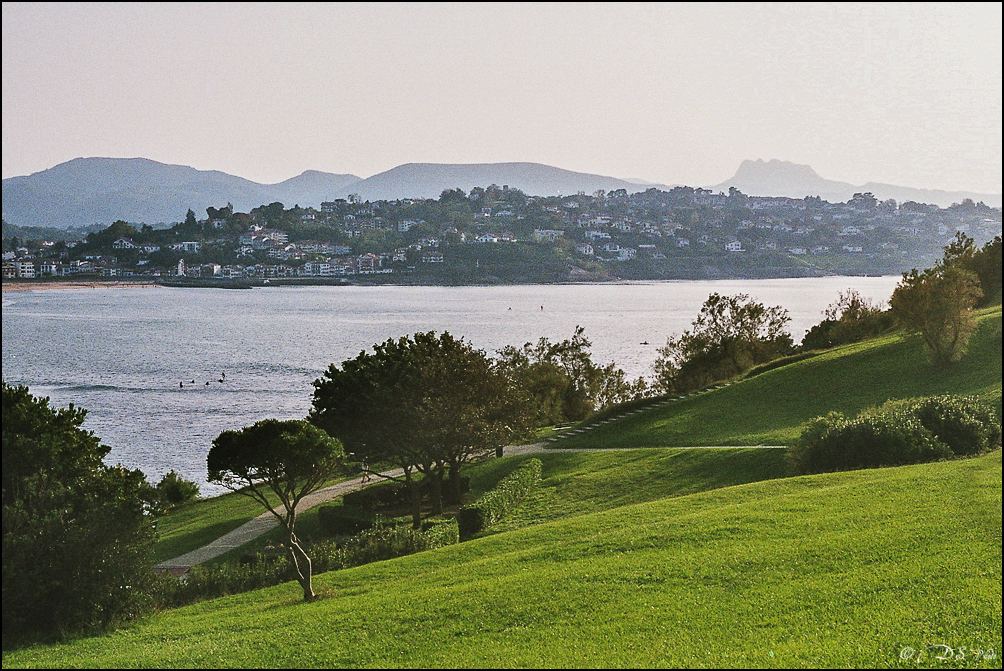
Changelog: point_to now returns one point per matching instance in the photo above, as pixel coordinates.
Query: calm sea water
(123, 353)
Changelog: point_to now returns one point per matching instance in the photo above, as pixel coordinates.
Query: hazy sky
(908, 94)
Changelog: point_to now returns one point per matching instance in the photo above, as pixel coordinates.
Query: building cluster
(654, 226)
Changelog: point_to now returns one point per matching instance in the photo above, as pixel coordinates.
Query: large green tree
(564, 381)
(730, 335)
(938, 305)
(285, 459)
(77, 534)
(426, 403)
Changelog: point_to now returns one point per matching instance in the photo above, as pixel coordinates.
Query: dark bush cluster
(498, 502)
(345, 520)
(173, 490)
(900, 432)
(393, 494)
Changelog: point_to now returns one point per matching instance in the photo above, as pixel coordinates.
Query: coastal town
(501, 235)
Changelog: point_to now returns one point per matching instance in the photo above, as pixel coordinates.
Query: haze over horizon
(665, 93)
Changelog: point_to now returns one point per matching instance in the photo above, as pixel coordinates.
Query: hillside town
(501, 235)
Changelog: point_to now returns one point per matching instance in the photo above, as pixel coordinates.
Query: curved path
(266, 521)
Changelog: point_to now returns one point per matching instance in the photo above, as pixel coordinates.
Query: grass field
(836, 570)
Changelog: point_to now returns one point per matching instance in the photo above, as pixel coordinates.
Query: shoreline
(46, 285)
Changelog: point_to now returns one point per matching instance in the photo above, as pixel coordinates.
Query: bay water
(162, 371)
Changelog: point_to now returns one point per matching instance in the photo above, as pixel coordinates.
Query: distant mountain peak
(794, 180)
(774, 167)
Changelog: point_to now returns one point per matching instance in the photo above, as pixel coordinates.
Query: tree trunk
(302, 564)
(453, 484)
(437, 489)
(416, 500)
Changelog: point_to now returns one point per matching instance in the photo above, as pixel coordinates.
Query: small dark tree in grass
(284, 459)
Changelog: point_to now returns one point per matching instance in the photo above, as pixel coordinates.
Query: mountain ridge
(100, 190)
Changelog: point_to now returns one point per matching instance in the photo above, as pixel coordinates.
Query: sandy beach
(43, 285)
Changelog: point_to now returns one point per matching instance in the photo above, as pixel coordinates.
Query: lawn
(853, 569)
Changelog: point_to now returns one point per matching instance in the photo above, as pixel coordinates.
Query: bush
(174, 490)
(77, 536)
(209, 581)
(899, 432)
(965, 425)
(498, 502)
(345, 520)
(393, 494)
(833, 443)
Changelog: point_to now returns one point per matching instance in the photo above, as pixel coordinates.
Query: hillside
(898, 558)
(783, 178)
(660, 558)
(770, 408)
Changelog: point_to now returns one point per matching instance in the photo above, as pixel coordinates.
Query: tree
(938, 304)
(287, 459)
(77, 536)
(730, 335)
(850, 318)
(985, 263)
(564, 381)
(425, 403)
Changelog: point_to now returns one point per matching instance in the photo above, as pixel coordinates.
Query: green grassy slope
(844, 569)
(770, 408)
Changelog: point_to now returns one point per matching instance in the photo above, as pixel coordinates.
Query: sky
(900, 93)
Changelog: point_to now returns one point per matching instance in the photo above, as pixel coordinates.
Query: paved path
(254, 528)
(266, 521)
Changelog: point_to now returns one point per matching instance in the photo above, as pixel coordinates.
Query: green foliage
(983, 262)
(495, 504)
(426, 403)
(564, 382)
(76, 533)
(379, 543)
(772, 407)
(175, 490)
(938, 304)
(824, 571)
(730, 335)
(288, 459)
(962, 423)
(899, 432)
(851, 318)
(834, 443)
(345, 520)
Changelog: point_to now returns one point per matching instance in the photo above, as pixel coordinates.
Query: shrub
(496, 503)
(962, 423)
(209, 581)
(393, 494)
(833, 443)
(174, 490)
(899, 432)
(345, 520)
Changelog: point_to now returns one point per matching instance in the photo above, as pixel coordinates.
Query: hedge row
(899, 432)
(498, 502)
